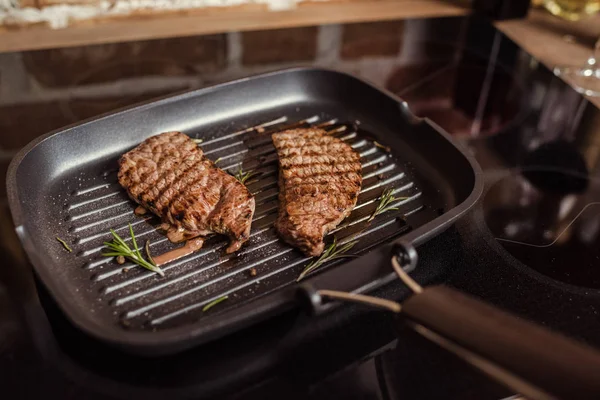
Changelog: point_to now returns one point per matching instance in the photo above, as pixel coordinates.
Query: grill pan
(64, 185)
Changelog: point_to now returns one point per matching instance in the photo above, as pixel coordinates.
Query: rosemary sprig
(332, 252)
(242, 176)
(385, 200)
(120, 248)
(381, 146)
(214, 303)
(148, 254)
(65, 245)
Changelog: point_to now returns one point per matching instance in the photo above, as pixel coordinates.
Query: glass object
(572, 10)
(586, 78)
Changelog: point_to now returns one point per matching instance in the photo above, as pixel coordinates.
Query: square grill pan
(65, 185)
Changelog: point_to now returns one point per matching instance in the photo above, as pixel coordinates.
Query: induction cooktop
(537, 141)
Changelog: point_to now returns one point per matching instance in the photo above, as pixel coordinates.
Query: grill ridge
(141, 298)
(304, 259)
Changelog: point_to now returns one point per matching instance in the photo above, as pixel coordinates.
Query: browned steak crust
(319, 181)
(169, 175)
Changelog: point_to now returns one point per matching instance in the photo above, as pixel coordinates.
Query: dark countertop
(500, 109)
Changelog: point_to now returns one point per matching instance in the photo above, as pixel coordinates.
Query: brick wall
(44, 90)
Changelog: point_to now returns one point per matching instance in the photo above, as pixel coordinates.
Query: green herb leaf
(242, 176)
(385, 201)
(381, 146)
(135, 246)
(332, 252)
(120, 248)
(118, 239)
(148, 254)
(214, 303)
(65, 245)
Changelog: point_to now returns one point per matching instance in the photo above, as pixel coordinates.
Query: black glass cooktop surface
(537, 141)
(540, 160)
(555, 234)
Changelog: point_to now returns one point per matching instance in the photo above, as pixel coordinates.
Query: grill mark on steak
(350, 178)
(184, 192)
(162, 196)
(169, 179)
(163, 164)
(168, 158)
(319, 183)
(315, 170)
(322, 159)
(171, 192)
(313, 149)
(168, 175)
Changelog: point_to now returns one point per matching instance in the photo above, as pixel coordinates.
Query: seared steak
(319, 181)
(169, 175)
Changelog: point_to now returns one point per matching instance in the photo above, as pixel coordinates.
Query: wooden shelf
(554, 41)
(217, 20)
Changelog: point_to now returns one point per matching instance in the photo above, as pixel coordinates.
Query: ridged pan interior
(140, 299)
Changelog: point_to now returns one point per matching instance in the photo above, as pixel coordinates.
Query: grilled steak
(319, 181)
(169, 175)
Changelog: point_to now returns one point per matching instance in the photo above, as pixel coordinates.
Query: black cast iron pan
(64, 185)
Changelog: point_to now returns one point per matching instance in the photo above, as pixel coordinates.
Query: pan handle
(526, 357)
(532, 360)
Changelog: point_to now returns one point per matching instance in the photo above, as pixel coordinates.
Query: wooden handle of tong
(526, 357)
(532, 360)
